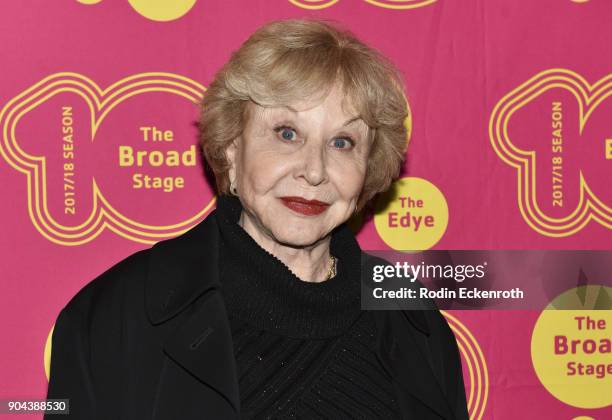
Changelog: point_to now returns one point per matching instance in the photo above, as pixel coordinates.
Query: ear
(231, 154)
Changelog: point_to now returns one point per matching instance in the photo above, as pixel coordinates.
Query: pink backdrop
(484, 80)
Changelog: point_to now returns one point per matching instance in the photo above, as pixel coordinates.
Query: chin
(297, 237)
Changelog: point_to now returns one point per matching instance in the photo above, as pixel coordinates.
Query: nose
(313, 167)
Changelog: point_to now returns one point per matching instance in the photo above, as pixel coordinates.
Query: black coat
(150, 339)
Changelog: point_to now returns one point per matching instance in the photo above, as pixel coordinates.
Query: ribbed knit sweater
(303, 350)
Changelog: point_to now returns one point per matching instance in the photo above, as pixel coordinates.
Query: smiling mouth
(303, 206)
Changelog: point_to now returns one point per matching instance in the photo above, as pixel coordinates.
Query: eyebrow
(352, 120)
(348, 122)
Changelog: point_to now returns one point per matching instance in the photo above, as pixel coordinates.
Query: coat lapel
(182, 286)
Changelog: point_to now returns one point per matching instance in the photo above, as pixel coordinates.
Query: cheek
(261, 171)
(349, 178)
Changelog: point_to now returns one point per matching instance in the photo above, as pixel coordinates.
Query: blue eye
(343, 143)
(287, 133)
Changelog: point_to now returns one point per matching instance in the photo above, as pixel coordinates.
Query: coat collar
(181, 269)
(184, 270)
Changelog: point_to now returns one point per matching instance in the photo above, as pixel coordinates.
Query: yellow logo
(75, 210)
(411, 215)
(570, 349)
(573, 201)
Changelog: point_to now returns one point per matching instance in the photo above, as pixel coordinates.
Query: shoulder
(427, 318)
(89, 337)
(110, 289)
(441, 332)
(368, 261)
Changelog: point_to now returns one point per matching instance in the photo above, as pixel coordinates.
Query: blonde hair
(290, 59)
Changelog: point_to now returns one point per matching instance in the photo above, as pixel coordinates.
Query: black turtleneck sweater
(303, 350)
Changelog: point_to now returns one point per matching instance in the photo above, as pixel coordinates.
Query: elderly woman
(255, 312)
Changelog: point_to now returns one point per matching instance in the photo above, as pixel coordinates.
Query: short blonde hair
(292, 59)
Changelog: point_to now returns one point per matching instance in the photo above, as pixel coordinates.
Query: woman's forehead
(265, 114)
(298, 106)
(260, 117)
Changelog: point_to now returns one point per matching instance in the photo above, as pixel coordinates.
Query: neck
(260, 288)
(309, 263)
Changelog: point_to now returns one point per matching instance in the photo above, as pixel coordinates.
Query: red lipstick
(303, 206)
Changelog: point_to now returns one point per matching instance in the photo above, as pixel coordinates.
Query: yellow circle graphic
(162, 10)
(89, 1)
(47, 353)
(412, 215)
(570, 349)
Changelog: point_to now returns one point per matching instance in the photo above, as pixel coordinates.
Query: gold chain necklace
(332, 267)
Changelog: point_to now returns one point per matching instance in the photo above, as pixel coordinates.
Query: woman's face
(308, 151)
